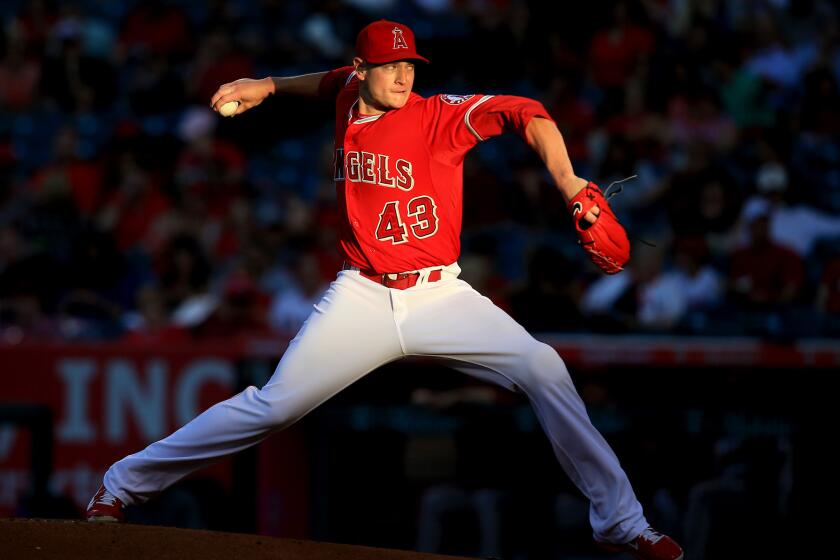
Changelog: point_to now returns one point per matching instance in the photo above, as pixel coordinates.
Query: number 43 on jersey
(421, 212)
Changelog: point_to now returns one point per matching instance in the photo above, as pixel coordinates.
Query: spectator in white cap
(796, 227)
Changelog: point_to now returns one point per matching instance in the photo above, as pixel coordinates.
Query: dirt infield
(46, 538)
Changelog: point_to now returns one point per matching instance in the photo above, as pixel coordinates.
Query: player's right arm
(251, 93)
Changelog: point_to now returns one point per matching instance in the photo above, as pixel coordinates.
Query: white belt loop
(424, 274)
(446, 271)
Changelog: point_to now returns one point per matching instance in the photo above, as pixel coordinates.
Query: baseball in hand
(229, 108)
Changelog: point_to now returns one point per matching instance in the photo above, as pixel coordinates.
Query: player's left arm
(599, 232)
(457, 123)
(545, 138)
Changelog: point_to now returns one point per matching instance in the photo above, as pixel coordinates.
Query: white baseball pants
(360, 325)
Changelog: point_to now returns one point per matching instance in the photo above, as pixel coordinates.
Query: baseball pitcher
(398, 177)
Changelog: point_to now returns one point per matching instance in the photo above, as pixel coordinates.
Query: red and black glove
(605, 241)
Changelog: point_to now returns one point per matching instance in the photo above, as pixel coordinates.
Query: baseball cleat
(104, 507)
(649, 545)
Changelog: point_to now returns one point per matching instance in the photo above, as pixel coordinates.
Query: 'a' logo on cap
(399, 40)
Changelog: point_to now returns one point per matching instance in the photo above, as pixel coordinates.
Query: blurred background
(155, 258)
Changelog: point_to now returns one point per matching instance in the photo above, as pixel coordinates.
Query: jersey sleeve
(456, 123)
(334, 81)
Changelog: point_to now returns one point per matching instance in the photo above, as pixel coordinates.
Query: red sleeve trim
(469, 112)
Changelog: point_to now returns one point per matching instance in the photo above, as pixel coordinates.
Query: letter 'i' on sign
(128, 391)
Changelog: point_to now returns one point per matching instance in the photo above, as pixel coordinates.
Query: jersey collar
(351, 116)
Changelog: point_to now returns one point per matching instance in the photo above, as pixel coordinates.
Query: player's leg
(350, 333)
(462, 326)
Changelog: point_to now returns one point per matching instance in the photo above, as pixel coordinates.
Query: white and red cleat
(649, 545)
(104, 507)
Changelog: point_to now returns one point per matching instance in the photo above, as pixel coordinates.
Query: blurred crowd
(130, 211)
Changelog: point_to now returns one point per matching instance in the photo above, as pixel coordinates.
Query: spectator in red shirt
(69, 175)
(134, 206)
(157, 28)
(218, 61)
(19, 73)
(574, 115)
(241, 310)
(150, 323)
(615, 51)
(764, 275)
(208, 168)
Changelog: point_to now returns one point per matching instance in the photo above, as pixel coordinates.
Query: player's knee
(279, 417)
(545, 366)
(275, 412)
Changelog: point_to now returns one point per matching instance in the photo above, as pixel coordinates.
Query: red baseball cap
(386, 41)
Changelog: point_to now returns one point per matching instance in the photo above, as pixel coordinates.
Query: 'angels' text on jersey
(375, 169)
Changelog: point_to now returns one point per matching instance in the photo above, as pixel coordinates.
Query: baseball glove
(605, 241)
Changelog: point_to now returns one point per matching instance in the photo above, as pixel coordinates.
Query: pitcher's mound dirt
(45, 538)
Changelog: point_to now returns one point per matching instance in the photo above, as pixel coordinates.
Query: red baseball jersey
(399, 174)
